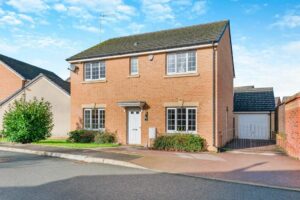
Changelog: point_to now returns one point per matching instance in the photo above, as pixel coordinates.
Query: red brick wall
(224, 97)
(291, 140)
(292, 127)
(9, 82)
(153, 86)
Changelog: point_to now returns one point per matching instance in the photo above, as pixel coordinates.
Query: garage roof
(251, 99)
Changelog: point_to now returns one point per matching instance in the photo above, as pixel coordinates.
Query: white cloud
(91, 29)
(158, 10)
(113, 9)
(28, 5)
(14, 19)
(273, 66)
(1, 11)
(10, 19)
(288, 20)
(60, 7)
(26, 18)
(40, 41)
(291, 19)
(199, 7)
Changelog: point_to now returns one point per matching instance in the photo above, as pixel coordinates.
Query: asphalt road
(30, 177)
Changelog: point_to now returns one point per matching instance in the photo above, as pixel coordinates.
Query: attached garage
(254, 113)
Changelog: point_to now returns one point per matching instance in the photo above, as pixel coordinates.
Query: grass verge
(66, 144)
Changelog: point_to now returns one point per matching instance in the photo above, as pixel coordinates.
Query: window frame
(91, 119)
(186, 63)
(90, 66)
(186, 123)
(137, 66)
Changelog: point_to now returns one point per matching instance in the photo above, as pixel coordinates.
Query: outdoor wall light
(146, 116)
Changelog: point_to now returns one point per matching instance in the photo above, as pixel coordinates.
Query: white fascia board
(256, 112)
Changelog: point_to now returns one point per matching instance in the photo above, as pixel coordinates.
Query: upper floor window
(134, 66)
(181, 62)
(94, 71)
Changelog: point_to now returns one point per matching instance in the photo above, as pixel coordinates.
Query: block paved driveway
(263, 167)
(30, 177)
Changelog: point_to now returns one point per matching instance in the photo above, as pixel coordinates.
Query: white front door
(134, 126)
(254, 126)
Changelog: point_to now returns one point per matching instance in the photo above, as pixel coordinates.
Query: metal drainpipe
(214, 95)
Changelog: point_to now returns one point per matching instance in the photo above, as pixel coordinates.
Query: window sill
(94, 81)
(134, 76)
(181, 75)
(181, 132)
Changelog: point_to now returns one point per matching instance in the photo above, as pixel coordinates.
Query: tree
(28, 121)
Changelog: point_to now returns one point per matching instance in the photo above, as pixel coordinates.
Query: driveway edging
(87, 159)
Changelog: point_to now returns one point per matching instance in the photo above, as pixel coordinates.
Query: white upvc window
(181, 62)
(181, 120)
(134, 66)
(94, 71)
(94, 119)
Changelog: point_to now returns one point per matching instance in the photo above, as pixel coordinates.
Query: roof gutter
(142, 53)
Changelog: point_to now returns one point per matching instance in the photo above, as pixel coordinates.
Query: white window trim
(137, 66)
(91, 122)
(186, 66)
(91, 71)
(175, 131)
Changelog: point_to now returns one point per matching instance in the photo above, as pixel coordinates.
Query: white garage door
(254, 126)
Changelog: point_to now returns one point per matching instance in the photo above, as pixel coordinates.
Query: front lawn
(66, 144)
(3, 139)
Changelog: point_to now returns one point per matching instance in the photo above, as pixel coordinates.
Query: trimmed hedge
(89, 136)
(105, 138)
(180, 142)
(82, 136)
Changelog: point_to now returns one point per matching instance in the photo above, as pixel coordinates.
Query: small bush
(180, 142)
(105, 138)
(28, 121)
(82, 136)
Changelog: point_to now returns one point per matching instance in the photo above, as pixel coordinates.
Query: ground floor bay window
(94, 119)
(181, 120)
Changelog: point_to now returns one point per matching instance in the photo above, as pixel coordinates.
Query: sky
(265, 33)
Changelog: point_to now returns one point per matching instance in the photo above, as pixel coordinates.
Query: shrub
(28, 121)
(82, 136)
(105, 138)
(180, 142)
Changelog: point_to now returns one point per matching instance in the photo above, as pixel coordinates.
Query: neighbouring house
(254, 113)
(288, 136)
(171, 81)
(22, 80)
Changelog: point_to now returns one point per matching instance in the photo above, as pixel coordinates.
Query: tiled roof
(250, 99)
(29, 72)
(173, 38)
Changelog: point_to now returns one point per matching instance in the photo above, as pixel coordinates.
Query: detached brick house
(178, 80)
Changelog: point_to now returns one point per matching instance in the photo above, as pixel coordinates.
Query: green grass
(66, 144)
(3, 139)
